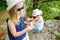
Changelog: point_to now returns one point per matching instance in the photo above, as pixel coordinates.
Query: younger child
(38, 20)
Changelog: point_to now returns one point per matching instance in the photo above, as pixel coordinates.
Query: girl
(16, 25)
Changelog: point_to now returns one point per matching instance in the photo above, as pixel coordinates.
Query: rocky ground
(51, 31)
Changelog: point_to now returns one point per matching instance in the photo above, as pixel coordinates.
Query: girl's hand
(30, 26)
(27, 23)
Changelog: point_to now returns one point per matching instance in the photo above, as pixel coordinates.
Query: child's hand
(28, 19)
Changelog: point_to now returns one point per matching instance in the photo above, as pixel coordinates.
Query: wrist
(26, 29)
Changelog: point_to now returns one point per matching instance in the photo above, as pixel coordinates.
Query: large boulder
(49, 31)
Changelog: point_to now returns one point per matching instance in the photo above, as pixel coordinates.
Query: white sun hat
(36, 12)
(12, 3)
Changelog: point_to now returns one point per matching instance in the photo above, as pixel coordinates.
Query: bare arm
(13, 29)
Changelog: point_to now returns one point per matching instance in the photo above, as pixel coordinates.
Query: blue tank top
(18, 27)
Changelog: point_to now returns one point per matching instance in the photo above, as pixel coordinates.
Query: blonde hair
(13, 16)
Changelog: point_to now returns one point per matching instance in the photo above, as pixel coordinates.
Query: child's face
(36, 16)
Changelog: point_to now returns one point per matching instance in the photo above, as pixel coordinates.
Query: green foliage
(3, 4)
(50, 9)
(29, 4)
(58, 36)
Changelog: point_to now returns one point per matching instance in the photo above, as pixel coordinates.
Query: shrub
(3, 5)
(50, 9)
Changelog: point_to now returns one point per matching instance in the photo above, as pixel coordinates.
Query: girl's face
(19, 8)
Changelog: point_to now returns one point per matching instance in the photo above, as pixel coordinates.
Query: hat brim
(12, 5)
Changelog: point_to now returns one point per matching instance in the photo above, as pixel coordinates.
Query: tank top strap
(7, 20)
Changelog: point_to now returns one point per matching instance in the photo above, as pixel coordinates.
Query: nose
(21, 10)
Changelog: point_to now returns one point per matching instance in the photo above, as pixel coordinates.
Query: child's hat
(36, 12)
(12, 3)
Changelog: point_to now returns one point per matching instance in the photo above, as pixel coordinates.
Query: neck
(18, 16)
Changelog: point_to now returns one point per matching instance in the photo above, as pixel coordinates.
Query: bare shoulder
(10, 23)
